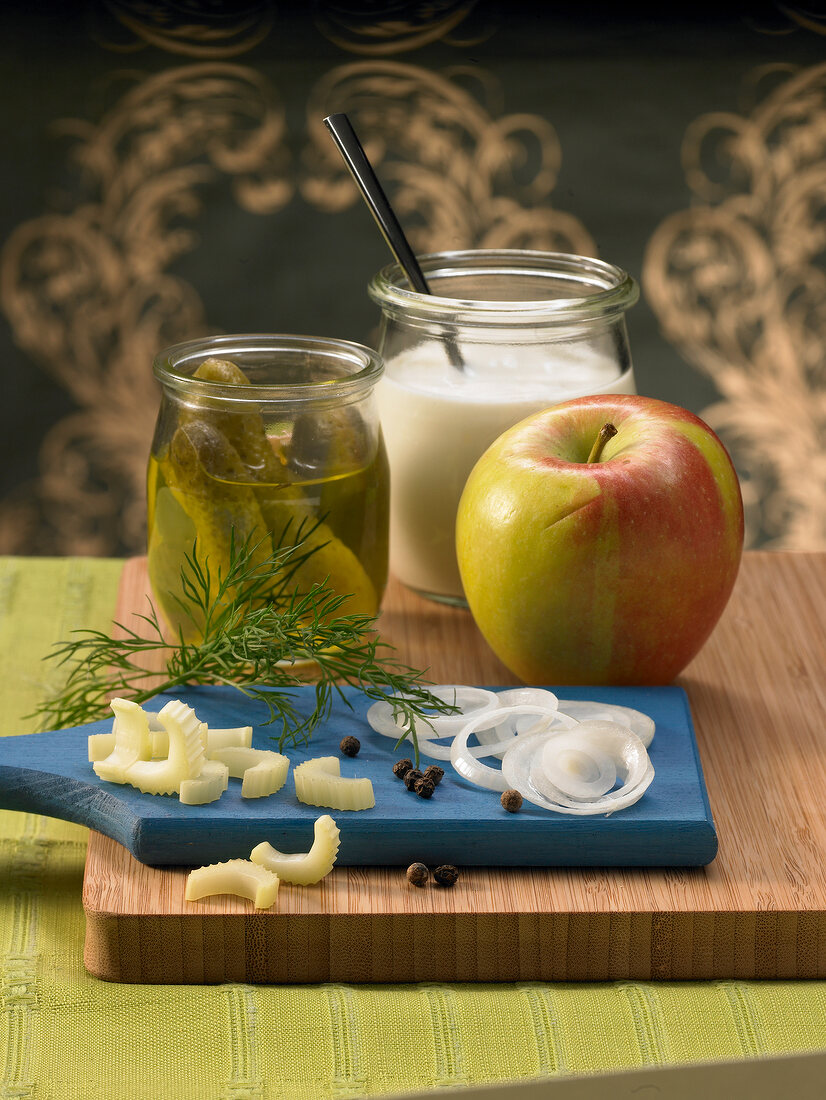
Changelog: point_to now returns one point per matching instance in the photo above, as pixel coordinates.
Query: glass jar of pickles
(258, 438)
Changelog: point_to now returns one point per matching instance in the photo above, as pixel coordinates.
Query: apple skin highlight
(609, 572)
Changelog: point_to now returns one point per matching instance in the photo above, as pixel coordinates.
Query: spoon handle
(372, 191)
(354, 156)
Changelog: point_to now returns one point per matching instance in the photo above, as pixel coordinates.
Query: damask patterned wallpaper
(168, 175)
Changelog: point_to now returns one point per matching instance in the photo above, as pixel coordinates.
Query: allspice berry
(350, 746)
(434, 773)
(446, 875)
(417, 874)
(512, 801)
(410, 778)
(401, 768)
(424, 787)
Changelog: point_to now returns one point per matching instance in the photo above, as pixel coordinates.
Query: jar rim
(367, 364)
(611, 290)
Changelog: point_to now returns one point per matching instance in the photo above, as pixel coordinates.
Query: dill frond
(256, 630)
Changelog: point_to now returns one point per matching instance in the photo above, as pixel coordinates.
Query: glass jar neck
(507, 289)
(281, 369)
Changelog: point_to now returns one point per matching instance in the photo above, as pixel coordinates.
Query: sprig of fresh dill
(253, 627)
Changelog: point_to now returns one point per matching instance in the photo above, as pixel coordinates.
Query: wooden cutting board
(758, 699)
(49, 773)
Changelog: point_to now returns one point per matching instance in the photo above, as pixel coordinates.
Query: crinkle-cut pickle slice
(236, 876)
(263, 771)
(318, 782)
(186, 753)
(303, 868)
(132, 741)
(207, 786)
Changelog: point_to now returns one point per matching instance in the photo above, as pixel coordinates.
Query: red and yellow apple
(612, 570)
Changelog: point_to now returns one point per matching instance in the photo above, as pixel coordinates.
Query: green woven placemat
(64, 1034)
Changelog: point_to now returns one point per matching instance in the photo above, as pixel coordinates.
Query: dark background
(621, 91)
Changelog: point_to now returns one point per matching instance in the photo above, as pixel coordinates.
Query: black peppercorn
(424, 787)
(417, 874)
(434, 773)
(350, 746)
(512, 801)
(446, 875)
(401, 768)
(410, 777)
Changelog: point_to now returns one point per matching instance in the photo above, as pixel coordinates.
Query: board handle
(30, 791)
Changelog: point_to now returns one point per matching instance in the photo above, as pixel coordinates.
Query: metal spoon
(367, 181)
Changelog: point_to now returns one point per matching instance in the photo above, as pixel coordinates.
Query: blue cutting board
(49, 773)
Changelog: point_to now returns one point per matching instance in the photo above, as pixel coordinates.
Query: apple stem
(606, 432)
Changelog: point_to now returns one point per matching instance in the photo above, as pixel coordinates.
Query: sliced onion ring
(511, 697)
(473, 701)
(563, 762)
(584, 710)
(522, 761)
(466, 760)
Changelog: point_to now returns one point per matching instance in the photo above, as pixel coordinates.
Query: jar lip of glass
(611, 290)
(168, 367)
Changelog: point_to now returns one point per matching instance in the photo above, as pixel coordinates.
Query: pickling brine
(278, 450)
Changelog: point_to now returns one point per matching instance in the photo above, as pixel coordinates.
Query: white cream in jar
(437, 420)
(527, 329)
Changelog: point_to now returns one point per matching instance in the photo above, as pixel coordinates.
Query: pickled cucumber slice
(244, 429)
(327, 443)
(223, 473)
(172, 535)
(210, 473)
(132, 743)
(186, 753)
(303, 868)
(334, 559)
(318, 782)
(285, 506)
(236, 876)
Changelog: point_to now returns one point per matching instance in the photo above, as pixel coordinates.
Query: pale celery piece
(263, 772)
(262, 780)
(210, 739)
(160, 738)
(303, 868)
(236, 876)
(239, 737)
(318, 782)
(208, 786)
(186, 753)
(132, 743)
(166, 753)
(102, 744)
